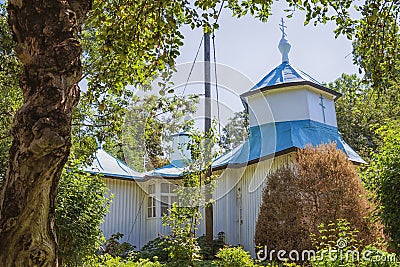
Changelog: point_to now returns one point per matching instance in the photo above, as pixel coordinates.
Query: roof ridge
(120, 162)
(307, 76)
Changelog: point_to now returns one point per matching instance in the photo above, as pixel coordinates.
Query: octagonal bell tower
(290, 109)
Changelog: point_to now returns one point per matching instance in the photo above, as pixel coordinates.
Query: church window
(151, 201)
(168, 197)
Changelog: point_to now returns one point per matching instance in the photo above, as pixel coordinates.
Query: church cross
(283, 26)
(322, 106)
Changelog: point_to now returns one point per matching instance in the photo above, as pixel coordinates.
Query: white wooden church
(288, 109)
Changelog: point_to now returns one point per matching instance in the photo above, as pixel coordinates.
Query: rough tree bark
(48, 47)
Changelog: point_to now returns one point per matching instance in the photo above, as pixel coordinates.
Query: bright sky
(250, 47)
(248, 50)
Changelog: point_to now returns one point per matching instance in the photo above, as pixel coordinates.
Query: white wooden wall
(238, 196)
(128, 213)
(291, 104)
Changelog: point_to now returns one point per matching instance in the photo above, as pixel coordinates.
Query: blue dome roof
(284, 73)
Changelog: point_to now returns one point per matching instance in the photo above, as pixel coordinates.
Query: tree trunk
(48, 47)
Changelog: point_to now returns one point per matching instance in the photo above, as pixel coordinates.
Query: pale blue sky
(248, 50)
(251, 46)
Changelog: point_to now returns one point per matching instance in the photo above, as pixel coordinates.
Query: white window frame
(167, 197)
(151, 201)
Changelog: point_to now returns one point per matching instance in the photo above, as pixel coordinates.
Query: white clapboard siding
(127, 212)
(226, 214)
(238, 196)
(252, 197)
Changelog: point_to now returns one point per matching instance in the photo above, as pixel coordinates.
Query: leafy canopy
(374, 29)
(382, 177)
(82, 202)
(361, 110)
(10, 94)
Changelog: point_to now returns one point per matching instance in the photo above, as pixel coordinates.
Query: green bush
(383, 180)
(208, 253)
(369, 257)
(160, 248)
(338, 246)
(202, 263)
(109, 261)
(154, 248)
(233, 257)
(82, 202)
(336, 233)
(115, 248)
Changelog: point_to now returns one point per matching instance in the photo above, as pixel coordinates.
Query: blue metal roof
(284, 73)
(281, 137)
(261, 145)
(181, 133)
(110, 166)
(173, 170)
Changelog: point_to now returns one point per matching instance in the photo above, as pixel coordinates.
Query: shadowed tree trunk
(48, 47)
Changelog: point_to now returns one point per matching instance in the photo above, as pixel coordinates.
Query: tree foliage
(361, 110)
(382, 177)
(374, 30)
(376, 39)
(82, 203)
(133, 42)
(235, 131)
(149, 123)
(10, 94)
(321, 186)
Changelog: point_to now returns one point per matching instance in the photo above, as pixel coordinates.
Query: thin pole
(207, 128)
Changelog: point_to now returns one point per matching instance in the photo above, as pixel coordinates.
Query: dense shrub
(208, 253)
(322, 185)
(340, 258)
(159, 248)
(154, 248)
(233, 257)
(382, 177)
(113, 247)
(82, 202)
(337, 246)
(202, 263)
(109, 261)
